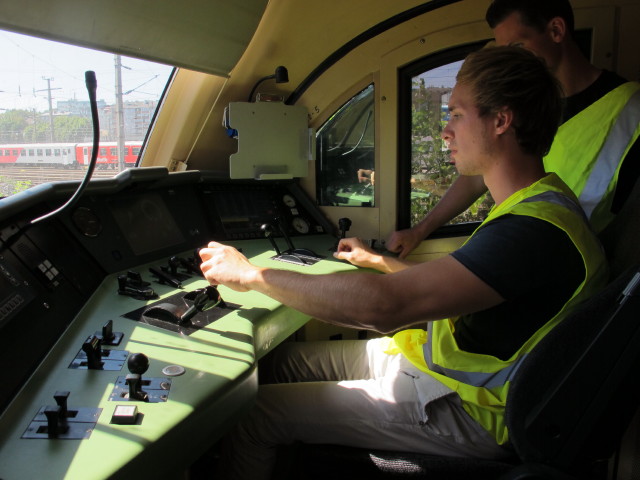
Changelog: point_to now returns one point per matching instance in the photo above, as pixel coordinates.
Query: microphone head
(90, 79)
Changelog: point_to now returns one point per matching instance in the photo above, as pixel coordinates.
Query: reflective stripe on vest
(475, 379)
(609, 157)
(558, 199)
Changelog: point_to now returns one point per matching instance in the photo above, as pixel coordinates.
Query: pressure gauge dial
(300, 225)
(289, 201)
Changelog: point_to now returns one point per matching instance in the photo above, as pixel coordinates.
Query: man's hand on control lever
(225, 265)
(356, 252)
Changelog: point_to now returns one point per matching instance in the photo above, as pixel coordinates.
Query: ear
(557, 29)
(503, 120)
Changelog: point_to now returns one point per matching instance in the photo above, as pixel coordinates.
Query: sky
(26, 62)
(444, 76)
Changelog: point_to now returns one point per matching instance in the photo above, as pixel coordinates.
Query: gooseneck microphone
(92, 85)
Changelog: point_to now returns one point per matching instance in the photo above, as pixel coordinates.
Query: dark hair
(533, 13)
(517, 79)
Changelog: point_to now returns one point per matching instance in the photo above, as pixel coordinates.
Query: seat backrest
(622, 237)
(575, 393)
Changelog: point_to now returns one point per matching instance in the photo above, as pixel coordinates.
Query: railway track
(42, 175)
(15, 179)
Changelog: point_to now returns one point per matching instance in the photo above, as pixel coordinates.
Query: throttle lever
(268, 232)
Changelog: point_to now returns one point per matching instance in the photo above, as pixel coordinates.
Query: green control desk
(217, 387)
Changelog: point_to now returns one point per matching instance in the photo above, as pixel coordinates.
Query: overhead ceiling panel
(204, 35)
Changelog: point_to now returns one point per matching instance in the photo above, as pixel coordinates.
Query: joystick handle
(138, 363)
(344, 224)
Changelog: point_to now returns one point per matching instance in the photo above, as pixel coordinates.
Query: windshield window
(45, 117)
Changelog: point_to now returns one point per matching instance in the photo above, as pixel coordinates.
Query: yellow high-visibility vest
(588, 150)
(482, 381)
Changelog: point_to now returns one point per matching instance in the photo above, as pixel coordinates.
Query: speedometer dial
(300, 225)
(289, 201)
(87, 222)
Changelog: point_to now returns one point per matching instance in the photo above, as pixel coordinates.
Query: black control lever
(61, 397)
(131, 284)
(108, 336)
(344, 224)
(284, 233)
(92, 347)
(201, 300)
(174, 263)
(138, 363)
(293, 250)
(56, 422)
(165, 278)
(268, 233)
(190, 266)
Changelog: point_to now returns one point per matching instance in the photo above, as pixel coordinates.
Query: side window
(425, 167)
(431, 170)
(345, 154)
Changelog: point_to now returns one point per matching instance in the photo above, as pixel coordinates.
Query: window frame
(337, 114)
(405, 76)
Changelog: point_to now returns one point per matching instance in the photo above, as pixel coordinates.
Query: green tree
(13, 124)
(72, 129)
(67, 129)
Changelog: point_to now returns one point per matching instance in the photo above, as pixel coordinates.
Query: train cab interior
(284, 126)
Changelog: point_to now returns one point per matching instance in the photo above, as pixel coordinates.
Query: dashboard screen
(146, 223)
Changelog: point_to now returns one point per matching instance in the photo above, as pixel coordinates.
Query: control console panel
(118, 347)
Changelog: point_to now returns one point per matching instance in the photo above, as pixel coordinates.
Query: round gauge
(300, 225)
(87, 222)
(289, 201)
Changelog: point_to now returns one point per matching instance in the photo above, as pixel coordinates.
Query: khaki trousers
(350, 393)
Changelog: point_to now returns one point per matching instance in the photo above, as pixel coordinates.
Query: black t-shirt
(533, 265)
(630, 169)
(606, 82)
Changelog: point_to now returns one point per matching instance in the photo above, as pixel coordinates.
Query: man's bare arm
(461, 194)
(385, 303)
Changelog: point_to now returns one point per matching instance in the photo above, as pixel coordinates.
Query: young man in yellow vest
(601, 121)
(440, 391)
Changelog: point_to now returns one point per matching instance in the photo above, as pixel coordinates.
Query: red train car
(68, 155)
(108, 154)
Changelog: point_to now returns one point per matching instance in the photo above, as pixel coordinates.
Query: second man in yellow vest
(596, 151)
